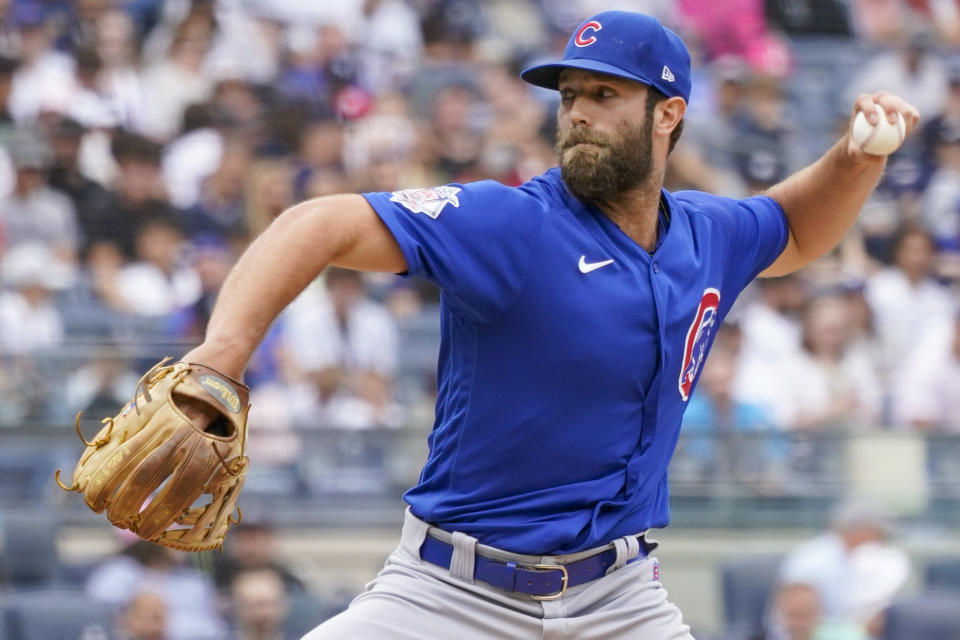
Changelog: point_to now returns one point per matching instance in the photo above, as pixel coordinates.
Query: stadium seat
(747, 584)
(305, 614)
(930, 616)
(24, 474)
(943, 574)
(30, 556)
(48, 614)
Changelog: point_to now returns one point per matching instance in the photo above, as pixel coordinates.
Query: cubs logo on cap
(623, 44)
(582, 38)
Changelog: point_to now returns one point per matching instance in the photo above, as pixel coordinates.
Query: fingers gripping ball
(882, 139)
(156, 473)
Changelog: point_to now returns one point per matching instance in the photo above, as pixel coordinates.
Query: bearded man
(577, 311)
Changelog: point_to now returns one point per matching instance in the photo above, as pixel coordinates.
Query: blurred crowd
(245, 592)
(142, 591)
(144, 144)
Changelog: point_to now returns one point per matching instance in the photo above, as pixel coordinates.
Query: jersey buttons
(656, 267)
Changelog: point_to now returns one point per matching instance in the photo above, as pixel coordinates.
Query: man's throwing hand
(879, 124)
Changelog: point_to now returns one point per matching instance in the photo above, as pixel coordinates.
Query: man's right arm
(338, 230)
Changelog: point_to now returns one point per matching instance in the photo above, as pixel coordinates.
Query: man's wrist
(228, 357)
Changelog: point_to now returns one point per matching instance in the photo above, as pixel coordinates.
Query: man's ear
(668, 115)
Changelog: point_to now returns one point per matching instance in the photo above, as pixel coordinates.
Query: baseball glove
(150, 467)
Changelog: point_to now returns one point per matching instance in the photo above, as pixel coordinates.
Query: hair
(146, 553)
(88, 60)
(132, 147)
(655, 97)
(906, 230)
(199, 115)
(8, 66)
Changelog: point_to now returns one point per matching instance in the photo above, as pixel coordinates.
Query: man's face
(915, 255)
(956, 338)
(604, 134)
(799, 610)
(146, 617)
(261, 603)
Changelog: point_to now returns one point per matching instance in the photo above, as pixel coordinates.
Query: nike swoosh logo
(587, 267)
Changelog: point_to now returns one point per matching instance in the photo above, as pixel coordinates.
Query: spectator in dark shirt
(64, 172)
(221, 209)
(138, 198)
(762, 145)
(251, 545)
(8, 67)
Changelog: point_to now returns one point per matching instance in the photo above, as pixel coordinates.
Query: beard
(611, 166)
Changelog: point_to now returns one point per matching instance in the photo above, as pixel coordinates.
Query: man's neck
(635, 212)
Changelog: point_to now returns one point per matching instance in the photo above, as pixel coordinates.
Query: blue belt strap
(540, 581)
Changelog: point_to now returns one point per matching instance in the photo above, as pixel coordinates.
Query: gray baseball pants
(411, 599)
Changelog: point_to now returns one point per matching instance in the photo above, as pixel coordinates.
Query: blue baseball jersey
(568, 352)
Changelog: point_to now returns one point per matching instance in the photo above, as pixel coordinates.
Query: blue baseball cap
(624, 44)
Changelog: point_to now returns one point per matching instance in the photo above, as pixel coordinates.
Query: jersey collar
(665, 213)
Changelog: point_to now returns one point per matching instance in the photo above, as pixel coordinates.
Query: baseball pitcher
(577, 312)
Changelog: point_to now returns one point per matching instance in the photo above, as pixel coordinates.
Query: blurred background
(144, 143)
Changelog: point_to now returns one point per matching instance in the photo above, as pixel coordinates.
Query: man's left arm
(822, 200)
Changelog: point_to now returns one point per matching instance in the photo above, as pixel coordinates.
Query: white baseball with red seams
(882, 139)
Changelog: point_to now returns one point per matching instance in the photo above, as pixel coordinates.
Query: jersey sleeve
(754, 232)
(760, 234)
(475, 241)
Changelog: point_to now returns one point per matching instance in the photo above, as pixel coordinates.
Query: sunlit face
(798, 608)
(604, 134)
(146, 617)
(260, 601)
(826, 327)
(915, 255)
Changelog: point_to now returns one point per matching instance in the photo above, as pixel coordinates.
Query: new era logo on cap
(667, 74)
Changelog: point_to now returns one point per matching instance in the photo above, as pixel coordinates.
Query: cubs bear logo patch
(698, 340)
(429, 201)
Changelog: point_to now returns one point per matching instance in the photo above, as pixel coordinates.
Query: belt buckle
(563, 580)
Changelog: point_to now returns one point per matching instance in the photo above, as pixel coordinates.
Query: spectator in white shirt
(855, 568)
(770, 324)
(116, 44)
(347, 345)
(914, 69)
(45, 77)
(158, 282)
(828, 384)
(29, 320)
(907, 301)
(770, 330)
(178, 81)
(34, 212)
(345, 330)
(928, 396)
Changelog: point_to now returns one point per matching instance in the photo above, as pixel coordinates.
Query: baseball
(882, 139)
